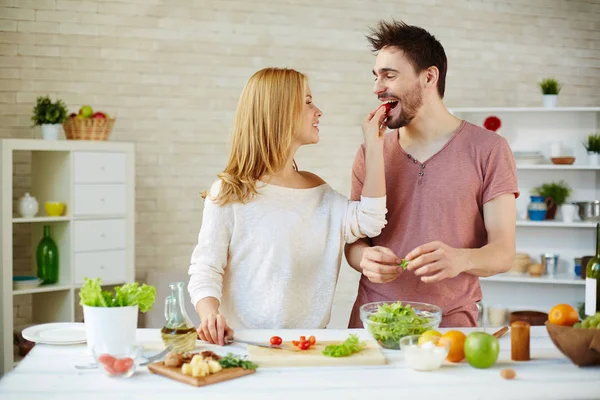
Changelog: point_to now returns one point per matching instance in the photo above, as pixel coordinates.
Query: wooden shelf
(523, 109)
(556, 224)
(554, 167)
(526, 278)
(55, 287)
(20, 220)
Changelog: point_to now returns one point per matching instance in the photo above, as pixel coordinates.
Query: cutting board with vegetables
(202, 371)
(289, 355)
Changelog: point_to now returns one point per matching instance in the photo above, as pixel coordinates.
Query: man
(451, 189)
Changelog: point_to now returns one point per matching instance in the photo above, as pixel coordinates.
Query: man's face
(396, 81)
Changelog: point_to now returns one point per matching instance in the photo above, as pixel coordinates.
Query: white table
(48, 373)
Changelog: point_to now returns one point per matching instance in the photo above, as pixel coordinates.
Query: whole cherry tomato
(276, 341)
(304, 345)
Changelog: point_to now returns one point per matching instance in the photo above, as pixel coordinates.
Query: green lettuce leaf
(350, 346)
(130, 294)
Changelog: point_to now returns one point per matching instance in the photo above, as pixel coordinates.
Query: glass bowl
(118, 364)
(388, 322)
(428, 355)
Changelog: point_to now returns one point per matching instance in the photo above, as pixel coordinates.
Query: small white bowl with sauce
(427, 356)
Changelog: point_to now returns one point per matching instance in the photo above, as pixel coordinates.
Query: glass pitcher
(178, 332)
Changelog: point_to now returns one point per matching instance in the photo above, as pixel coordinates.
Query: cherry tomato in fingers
(276, 340)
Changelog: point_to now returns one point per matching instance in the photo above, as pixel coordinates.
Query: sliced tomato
(295, 343)
(304, 345)
(312, 340)
(303, 338)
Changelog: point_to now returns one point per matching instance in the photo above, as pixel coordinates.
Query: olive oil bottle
(592, 280)
(178, 331)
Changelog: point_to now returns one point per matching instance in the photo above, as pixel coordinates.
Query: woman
(270, 246)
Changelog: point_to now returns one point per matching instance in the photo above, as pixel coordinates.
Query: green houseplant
(49, 115)
(593, 148)
(555, 193)
(550, 89)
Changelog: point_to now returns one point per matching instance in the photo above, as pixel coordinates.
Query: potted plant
(111, 318)
(593, 148)
(49, 116)
(550, 90)
(555, 193)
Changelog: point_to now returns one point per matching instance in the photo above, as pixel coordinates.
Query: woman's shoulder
(312, 180)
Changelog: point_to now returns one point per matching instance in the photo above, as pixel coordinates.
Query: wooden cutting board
(175, 373)
(291, 356)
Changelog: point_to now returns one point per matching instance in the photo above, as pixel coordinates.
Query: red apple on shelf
(99, 114)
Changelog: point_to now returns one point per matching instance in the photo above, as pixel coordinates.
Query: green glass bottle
(47, 258)
(592, 280)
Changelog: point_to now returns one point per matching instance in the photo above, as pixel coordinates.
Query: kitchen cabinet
(95, 235)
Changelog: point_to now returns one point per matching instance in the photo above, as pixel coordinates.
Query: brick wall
(171, 71)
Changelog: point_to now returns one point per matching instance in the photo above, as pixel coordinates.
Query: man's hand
(380, 264)
(436, 261)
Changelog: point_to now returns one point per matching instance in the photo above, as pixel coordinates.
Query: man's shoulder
(480, 136)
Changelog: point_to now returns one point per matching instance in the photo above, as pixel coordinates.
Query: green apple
(86, 111)
(481, 349)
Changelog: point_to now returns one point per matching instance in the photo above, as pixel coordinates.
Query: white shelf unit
(535, 129)
(95, 237)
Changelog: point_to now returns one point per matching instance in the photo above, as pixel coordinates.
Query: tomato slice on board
(312, 340)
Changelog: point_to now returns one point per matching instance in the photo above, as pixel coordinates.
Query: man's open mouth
(389, 104)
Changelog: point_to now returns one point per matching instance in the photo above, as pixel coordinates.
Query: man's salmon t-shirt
(439, 199)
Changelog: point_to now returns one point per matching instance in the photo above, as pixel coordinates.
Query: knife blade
(229, 341)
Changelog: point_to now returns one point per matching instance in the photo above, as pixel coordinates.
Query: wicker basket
(88, 128)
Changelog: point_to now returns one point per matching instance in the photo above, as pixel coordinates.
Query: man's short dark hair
(420, 47)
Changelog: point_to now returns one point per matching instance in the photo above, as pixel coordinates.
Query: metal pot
(589, 210)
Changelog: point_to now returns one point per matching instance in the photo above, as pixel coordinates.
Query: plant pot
(550, 100)
(593, 158)
(110, 329)
(50, 131)
(551, 213)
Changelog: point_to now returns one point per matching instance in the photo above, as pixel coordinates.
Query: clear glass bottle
(178, 330)
(592, 280)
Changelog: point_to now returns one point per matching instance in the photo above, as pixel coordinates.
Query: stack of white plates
(528, 157)
(26, 282)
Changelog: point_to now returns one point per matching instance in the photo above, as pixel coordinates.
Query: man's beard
(410, 102)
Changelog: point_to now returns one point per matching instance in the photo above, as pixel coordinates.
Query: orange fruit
(563, 314)
(457, 345)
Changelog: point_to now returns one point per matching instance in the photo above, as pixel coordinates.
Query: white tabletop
(48, 373)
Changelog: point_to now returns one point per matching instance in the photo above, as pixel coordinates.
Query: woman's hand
(214, 329)
(374, 127)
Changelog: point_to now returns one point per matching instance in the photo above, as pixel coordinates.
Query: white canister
(568, 212)
(110, 329)
(28, 206)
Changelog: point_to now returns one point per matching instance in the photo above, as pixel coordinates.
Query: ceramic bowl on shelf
(563, 160)
(26, 282)
(54, 208)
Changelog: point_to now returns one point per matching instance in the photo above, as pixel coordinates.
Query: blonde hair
(269, 115)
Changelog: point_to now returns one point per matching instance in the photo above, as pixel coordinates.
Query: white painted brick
(8, 26)
(45, 51)
(18, 14)
(36, 4)
(58, 16)
(76, 5)
(38, 27)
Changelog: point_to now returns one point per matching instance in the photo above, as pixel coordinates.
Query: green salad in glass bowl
(388, 322)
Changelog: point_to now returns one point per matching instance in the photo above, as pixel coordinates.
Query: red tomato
(110, 370)
(304, 345)
(312, 340)
(295, 343)
(122, 365)
(303, 338)
(276, 341)
(107, 360)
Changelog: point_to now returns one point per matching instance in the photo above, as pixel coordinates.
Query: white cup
(568, 212)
